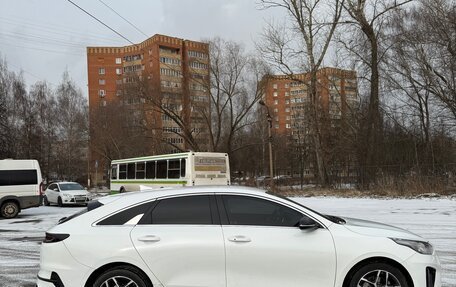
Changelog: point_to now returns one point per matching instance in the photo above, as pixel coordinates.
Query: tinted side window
(131, 171)
(244, 210)
(162, 166)
(123, 171)
(174, 168)
(183, 210)
(123, 217)
(150, 169)
(18, 177)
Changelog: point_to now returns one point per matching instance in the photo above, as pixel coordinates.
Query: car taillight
(55, 237)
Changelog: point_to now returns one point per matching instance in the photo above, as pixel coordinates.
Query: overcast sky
(45, 37)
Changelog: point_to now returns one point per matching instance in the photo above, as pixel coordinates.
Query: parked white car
(65, 193)
(224, 237)
(20, 186)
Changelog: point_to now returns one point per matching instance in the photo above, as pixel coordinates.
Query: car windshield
(71, 186)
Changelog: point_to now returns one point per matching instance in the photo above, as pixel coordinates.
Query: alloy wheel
(119, 281)
(379, 278)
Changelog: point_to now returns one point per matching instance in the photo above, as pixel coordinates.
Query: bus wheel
(122, 190)
(9, 209)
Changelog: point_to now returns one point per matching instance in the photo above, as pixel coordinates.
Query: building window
(101, 81)
(287, 110)
(286, 86)
(287, 94)
(275, 94)
(288, 118)
(196, 54)
(198, 65)
(276, 110)
(118, 71)
(287, 102)
(276, 102)
(119, 82)
(169, 72)
(276, 118)
(276, 126)
(274, 86)
(288, 126)
(101, 71)
(118, 60)
(170, 61)
(119, 93)
(102, 93)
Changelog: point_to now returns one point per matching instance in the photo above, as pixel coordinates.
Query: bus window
(114, 171)
(123, 171)
(131, 171)
(150, 169)
(161, 168)
(183, 167)
(174, 168)
(140, 173)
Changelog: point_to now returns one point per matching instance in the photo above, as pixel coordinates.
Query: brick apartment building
(174, 70)
(288, 102)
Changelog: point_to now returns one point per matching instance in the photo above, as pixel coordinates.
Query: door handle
(239, 238)
(149, 238)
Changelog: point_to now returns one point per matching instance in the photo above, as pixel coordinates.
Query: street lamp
(271, 167)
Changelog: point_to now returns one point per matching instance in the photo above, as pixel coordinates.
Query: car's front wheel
(378, 274)
(122, 276)
(9, 209)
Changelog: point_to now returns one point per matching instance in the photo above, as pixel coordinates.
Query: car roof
(170, 191)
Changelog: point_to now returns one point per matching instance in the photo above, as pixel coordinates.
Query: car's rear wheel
(9, 209)
(59, 202)
(378, 275)
(122, 276)
(46, 201)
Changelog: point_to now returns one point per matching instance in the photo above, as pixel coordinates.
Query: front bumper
(425, 270)
(75, 200)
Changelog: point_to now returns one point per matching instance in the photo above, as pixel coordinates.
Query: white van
(20, 186)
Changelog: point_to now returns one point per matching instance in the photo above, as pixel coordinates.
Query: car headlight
(419, 246)
(66, 195)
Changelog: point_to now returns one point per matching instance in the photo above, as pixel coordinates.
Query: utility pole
(271, 165)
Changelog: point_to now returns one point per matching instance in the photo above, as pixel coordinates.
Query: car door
(51, 194)
(181, 242)
(264, 246)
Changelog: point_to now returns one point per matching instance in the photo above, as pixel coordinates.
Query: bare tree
(236, 87)
(72, 129)
(302, 46)
(369, 19)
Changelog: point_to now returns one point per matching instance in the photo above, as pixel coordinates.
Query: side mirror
(308, 223)
(56, 189)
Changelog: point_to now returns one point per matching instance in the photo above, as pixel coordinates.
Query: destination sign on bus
(210, 164)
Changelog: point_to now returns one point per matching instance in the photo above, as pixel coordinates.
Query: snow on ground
(20, 240)
(434, 219)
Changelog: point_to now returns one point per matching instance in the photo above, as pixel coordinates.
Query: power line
(101, 22)
(133, 25)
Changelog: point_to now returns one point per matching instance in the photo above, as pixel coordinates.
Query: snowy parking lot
(434, 219)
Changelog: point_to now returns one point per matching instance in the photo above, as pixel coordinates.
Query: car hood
(372, 228)
(75, 192)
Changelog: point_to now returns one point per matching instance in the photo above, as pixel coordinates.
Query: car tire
(9, 209)
(382, 273)
(60, 202)
(122, 190)
(46, 201)
(123, 276)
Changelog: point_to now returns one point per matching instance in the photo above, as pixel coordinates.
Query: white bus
(20, 186)
(181, 169)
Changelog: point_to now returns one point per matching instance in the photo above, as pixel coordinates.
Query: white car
(224, 237)
(65, 193)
